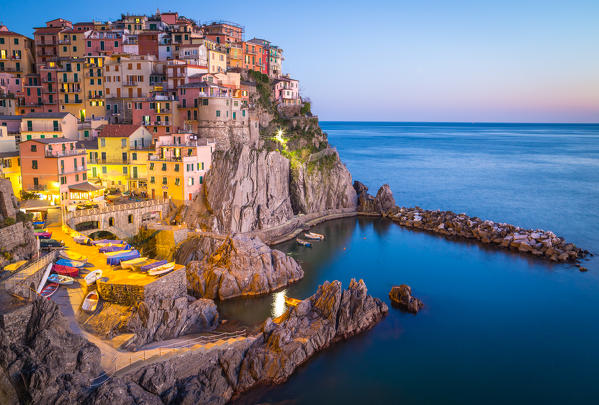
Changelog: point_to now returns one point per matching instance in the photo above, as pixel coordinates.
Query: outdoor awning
(85, 186)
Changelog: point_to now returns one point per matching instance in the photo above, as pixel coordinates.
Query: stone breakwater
(537, 242)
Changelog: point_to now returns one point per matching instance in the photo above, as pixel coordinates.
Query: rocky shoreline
(536, 242)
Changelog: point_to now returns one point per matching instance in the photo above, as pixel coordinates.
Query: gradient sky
(498, 61)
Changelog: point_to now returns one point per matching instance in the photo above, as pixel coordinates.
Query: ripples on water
(497, 327)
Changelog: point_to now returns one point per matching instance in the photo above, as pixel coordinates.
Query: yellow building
(217, 61)
(16, 53)
(10, 168)
(81, 84)
(48, 125)
(121, 152)
(71, 44)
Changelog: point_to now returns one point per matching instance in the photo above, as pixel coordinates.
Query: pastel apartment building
(178, 167)
(48, 125)
(286, 91)
(16, 53)
(158, 114)
(49, 166)
(47, 40)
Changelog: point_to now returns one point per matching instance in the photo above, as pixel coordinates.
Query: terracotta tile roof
(48, 30)
(11, 33)
(117, 130)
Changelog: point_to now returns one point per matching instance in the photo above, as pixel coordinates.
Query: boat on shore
(90, 303)
(49, 289)
(65, 254)
(60, 279)
(70, 263)
(153, 265)
(303, 242)
(314, 236)
(65, 270)
(43, 235)
(130, 264)
(165, 268)
(82, 239)
(15, 266)
(92, 277)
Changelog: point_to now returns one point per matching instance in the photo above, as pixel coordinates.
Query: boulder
(381, 204)
(402, 296)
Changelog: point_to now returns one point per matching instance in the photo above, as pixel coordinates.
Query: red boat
(66, 270)
(49, 289)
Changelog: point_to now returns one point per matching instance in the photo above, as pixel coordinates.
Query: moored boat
(165, 268)
(314, 236)
(303, 242)
(92, 277)
(43, 235)
(116, 259)
(60, 279)
(90, 303)
(49, 289)
(152, 265)
(82, 239)
(70, 263)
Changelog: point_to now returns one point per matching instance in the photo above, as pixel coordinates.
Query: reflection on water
(278, 304)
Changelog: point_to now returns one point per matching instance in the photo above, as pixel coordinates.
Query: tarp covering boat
(73, 256)
(150, 266)
(66, 270)
(104, 242)
(117, 259)
(70, 263)
(114, 248)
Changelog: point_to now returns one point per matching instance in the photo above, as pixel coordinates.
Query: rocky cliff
(240, 266)
(41, 361)
(215, 375)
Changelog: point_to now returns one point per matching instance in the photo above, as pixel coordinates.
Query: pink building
(158, 114)
(287, 91)
(103, 43)
(178, 72)
(9, 83)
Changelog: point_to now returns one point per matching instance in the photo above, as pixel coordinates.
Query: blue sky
(499, 61)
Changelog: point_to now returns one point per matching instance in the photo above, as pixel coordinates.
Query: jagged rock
(402, 296)
(153, 320)
(47, 363)
(217, 374)
(241, 266)
(381, 204)
(8, 201)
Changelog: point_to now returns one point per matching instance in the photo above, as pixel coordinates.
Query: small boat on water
(60, 279)
(165, 268)
(130, 264)
(65, 254)
(15, 266)
(152, 265)
(70, 263)
(49, 289)
(92, 277)
(314, 236)
(90, 303)
(291, 302)
(65, 270)
(303, 242)
(43, 235)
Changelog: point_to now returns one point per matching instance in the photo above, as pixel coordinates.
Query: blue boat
(117, 259)
(114, 248)
(70, 263)
(150, 266)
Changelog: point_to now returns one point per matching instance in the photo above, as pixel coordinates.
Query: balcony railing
(38, 187)
(156, 158)
(65, 153)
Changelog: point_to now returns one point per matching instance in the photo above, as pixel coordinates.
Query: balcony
(38, 187)
(111, 162)
(130, 83)
(156, 158)
(64, 153)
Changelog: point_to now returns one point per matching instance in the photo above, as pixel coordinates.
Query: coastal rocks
(241, 266)
(44, 362)
(153, 320)
(536, 242)
(8, 202)
(381, 204)
(217, 374)
(248, 189)
(402, 297)
(321, 184)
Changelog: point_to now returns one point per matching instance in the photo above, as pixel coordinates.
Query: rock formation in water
(41, 361)
(215, 375)
(153, 320)
(402, 297)
(241, 266)
(381, 204)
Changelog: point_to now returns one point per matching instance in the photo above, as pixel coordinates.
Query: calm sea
(497, 327)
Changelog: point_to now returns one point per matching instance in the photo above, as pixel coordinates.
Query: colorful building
(10, 168)
(217, 61)
(49, 166)
(48, 125)
(178, 167)
(158, 114)
(47, 40)
(224, 32)
(16, 53)
(286, 91)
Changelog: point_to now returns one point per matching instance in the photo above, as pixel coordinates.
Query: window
(116, 44)
(85, 175)
(111, 221)
(103, 169)
(201, 179)
(55, 123)
(164, 167)
(176, 167)
(124, 169)
(63, 180)
(177, 181)
(130, 218)
(76, 177)
(124, 156)
(29, 124)
(218, 113)
(134, 156)
(151, 166)
(205, 101)
(36, 181)
(190, 181)
(164, 181)
(34, 164)
(152, 180)
(34, 148)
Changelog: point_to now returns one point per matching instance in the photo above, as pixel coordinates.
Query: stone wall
(18, 242)
(171, 285)
(8, 202)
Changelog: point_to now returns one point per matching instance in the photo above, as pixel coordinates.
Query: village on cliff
(147, 166)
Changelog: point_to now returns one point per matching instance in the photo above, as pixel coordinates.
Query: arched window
(111, 221)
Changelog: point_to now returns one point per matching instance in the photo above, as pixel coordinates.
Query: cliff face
(216, 375)
(42, 361)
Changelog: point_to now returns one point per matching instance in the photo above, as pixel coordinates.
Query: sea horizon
(461, 122)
